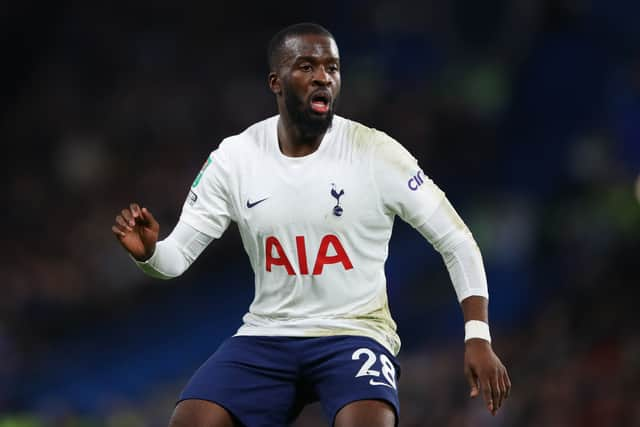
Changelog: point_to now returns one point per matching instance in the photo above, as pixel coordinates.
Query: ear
(274, 83)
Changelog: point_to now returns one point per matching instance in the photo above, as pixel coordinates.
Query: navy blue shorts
(266, 381)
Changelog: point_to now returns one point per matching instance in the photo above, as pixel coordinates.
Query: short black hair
(276, 44)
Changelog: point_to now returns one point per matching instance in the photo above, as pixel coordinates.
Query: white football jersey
(316, 228)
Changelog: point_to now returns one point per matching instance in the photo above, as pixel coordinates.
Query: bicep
(209, 206)
(405, 190)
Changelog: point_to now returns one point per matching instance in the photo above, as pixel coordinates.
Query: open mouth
(320, 102)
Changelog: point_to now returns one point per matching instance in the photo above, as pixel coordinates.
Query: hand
(486, 373)
(137, 231)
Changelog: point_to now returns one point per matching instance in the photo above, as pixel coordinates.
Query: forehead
(309, 45)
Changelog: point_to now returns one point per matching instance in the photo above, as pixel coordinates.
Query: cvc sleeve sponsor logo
(416, 180)
(202, 169)
(192, 198)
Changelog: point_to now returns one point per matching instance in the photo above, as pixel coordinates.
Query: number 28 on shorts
(370, 360)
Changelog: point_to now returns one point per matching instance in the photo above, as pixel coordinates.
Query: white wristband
(476, 329)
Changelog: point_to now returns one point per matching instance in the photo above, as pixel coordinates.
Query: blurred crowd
(527, 113)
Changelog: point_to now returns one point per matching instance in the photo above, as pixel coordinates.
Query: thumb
(472, 379)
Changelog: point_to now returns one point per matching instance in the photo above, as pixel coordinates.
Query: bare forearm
(475, 308)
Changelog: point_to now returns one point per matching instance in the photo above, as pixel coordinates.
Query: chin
(308, 122)
(315, 124)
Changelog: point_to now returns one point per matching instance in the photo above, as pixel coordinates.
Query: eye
(333, 68)
(306, 67)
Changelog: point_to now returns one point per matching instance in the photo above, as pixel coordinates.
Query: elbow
(159, 274)
(454, 240)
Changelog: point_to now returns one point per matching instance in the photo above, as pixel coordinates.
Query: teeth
(319, 106)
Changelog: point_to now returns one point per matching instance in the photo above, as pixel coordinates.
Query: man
(314, 196)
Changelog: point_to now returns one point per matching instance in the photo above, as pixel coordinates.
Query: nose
(321, 77)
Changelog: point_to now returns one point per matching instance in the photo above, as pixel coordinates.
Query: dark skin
(311, 65)
(484, 371)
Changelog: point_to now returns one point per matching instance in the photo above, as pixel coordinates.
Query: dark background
(527, 113)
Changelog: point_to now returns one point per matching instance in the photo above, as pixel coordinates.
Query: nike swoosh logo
(372, 382)
(250, 205)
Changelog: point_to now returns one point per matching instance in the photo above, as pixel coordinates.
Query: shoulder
(358, 133)
(373, 141)
(251, 141)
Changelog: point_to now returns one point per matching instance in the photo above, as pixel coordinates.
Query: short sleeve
(208, 207)
(404, 188)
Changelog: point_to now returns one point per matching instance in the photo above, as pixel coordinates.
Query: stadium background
(526, 112)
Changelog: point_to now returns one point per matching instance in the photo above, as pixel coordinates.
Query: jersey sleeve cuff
(472, 293)
(419, 220)
(200, 225)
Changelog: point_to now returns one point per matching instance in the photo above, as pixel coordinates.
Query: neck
(293, 141)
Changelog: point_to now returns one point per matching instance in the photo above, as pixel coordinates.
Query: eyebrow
(315, 58)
